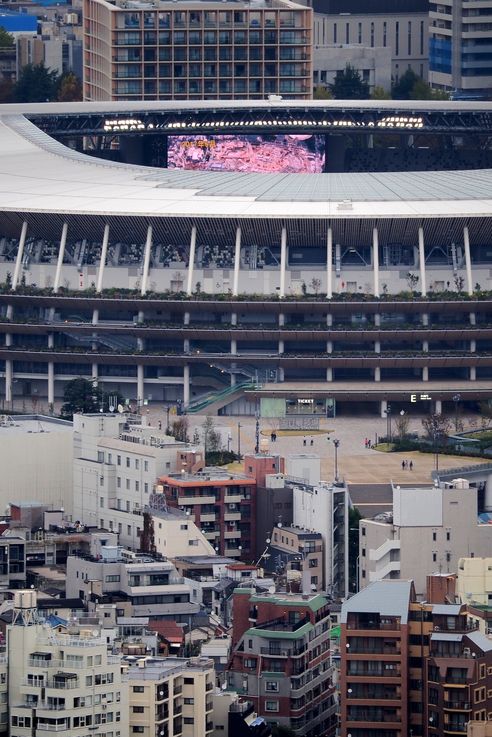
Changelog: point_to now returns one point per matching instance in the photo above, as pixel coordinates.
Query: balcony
(458, 705)
(61, 727)
(231, 534)
(207, 517)
(232, 516)
(455, 728)
(186, 500)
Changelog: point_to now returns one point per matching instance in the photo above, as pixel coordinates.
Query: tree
(379, 93)
(84, 396)
(322, 93)
(211, 438)
(402, 90)
(36, 83)
(436, 428)
(402, 422)
(6, 39)
(179, 430)
(69, 88)
(147, 538)
(349, 85)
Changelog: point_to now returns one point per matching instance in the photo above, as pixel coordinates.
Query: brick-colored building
(281, 659)
(411, 667)
(222, 504)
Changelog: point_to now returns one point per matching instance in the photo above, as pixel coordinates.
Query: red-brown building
(281, 659)
(222, 504)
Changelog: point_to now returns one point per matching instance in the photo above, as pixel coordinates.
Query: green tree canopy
(412, 87)
(69, 88)
(6, 39)
(82, 395)
(36, 83)
(349, 85)
(322, 93)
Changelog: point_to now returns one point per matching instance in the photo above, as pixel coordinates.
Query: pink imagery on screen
(286, 154)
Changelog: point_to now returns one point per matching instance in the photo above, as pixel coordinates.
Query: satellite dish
(120, 408)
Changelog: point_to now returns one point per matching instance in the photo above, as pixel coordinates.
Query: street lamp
(388, 422)
(336, 443)
(456, 400)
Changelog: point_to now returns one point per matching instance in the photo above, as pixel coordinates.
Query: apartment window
(448, 557)
(434, 557)
(359, 33)
(138, 709)
(334, 33)
(271, 705)
(101, 524)
(448, 535)
(100, 456)
(112, 578)
(127, 462)
(397, 38)
(138, 689)
(128, 506)
(146, 488)
(313, 562)
(110, 457)
(409, 38)
(372, 35)
(189, 702)
(118, 460)
(347, 33)
(146, 465)
(129, 530)
(137, 463)
(188, 681)
(183, 527)
(101, 501)
(385, 34)
(138, 730)
(434, 536)
(271, 686)
(119, 528)
(189, 720)
(421, 37)
(128, 484)
(137, 485)
(314, 580)
(250, 662)
(118, 482)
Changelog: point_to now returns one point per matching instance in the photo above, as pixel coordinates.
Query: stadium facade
(217, 289)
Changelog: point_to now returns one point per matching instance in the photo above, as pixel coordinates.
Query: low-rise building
(297, 555)
(474, 581)
(171, 696)
(221, 503)
(143, 585)
(429, 529)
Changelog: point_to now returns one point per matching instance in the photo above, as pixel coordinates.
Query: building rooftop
(301, 532)
(312, 601)
(32, 424)
(157, 668)
(209, 473)
(387, 598)
(205, 560)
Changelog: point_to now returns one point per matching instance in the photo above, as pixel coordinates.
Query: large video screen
(253, 153)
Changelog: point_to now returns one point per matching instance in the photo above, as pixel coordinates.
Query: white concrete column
(233, 376)
(140, 317)
(237, 263)
(233, 346)
(473, 318)
(377, 320)
(9, 378)
(233, 318)
(283, 261)
(51, 383)
(473, 346)
(375, 258)
(95, 317)
(329, 320)
(51, 340)
(438, 407)
(140, 384)
(425, 319)
(425, 346)
(104, 253)
(377, 346)
(281, 320)
(191, 264)
(95, 371)
(466, 243)
(146, 263)
(20, 253)
(140, 344)
(384, 407)
(329, 346)
(425, 373)
(280, 347)
(186, 318)
(8, 339)
(329, 374)
(473, 373)
(377, 373)
(61, 254)
(281, 374)
(423, 284)
(329, 265)
(186, 385)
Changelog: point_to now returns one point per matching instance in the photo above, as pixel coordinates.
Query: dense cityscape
(246, 368)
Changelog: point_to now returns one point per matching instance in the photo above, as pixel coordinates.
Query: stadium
(290, 258)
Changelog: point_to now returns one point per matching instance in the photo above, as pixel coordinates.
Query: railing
(459, 705)
(53, 727)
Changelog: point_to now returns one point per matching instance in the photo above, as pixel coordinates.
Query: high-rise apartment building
(410, 667)
(459, 47)
(58, 682)
(196, 50)
(281, 659)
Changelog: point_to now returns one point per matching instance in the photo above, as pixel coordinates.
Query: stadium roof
(40, 175)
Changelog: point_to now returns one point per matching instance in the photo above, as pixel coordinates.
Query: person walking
(411, 465)
(304, 441)
(403, 465)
